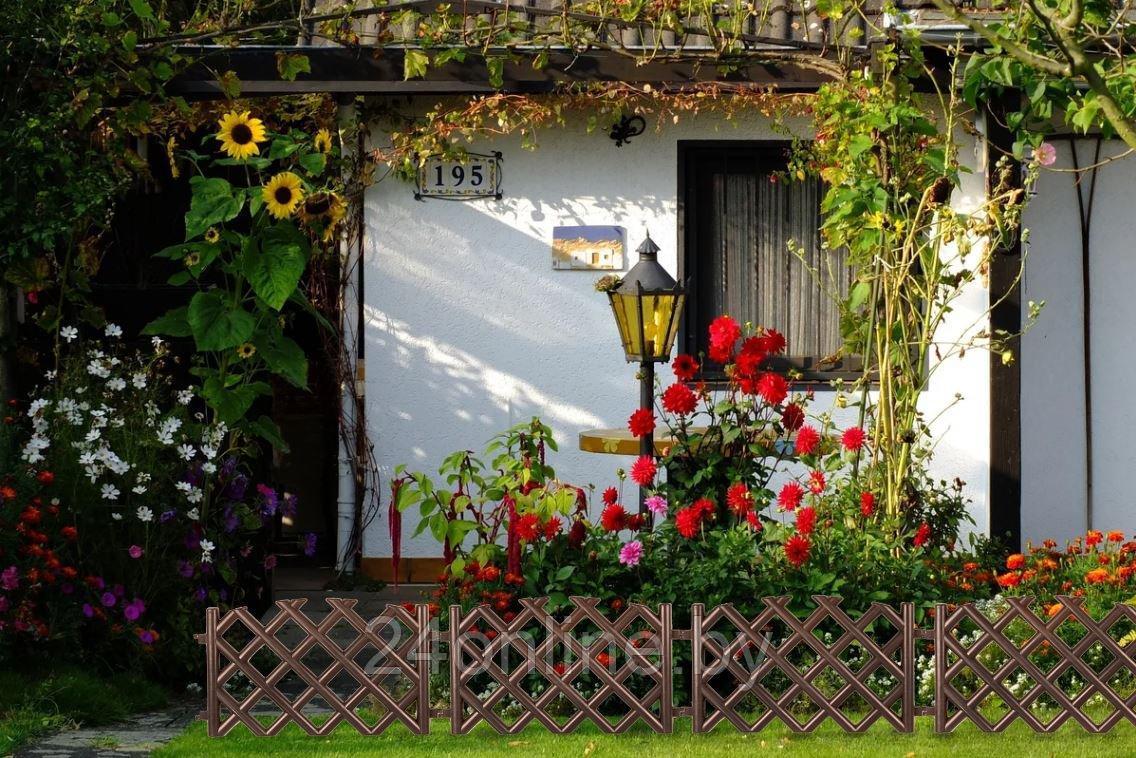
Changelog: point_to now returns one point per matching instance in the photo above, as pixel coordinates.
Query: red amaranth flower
(807, 440)
(641, 422)
(687, 522)
(806, 520)
(790, 496)
(773, 388)
(797, 550)
(679, 399)
(817, 482)
(643, 470)
(852, 439)
(792, 418)
(577, 534)
(867, 504)
(685, 367)
(613, 518)
(922, 534)
(738, 499)
(528, 527)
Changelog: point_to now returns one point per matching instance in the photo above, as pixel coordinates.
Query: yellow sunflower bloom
(240, 134)
(212, 236)
(324, 209)
(247, 350)
(283, 194)
(323, 141)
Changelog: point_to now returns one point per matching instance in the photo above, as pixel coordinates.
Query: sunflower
(212, 235)
(323, 208)
(247, 350)
(240, 134)
(283, 194)
(192, 260)
(323, 141)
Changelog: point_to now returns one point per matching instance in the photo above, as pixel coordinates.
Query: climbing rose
(790, 496)
(610, 496)
(724, 332)
(643, 470)
(630, 553)
(613, 518)
(684, 367)
(867, 504)
(797, 550)
(687, 522)
(922, 534)
(807, 440)
(792, 418)
(852, 439)
(1016, 561)
(656, 504)
(679, 399)
(816, 482)
(738, 499)
(641, 422)
(806, 520)
(773, 388)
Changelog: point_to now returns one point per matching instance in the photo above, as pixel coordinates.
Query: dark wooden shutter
(738, 226)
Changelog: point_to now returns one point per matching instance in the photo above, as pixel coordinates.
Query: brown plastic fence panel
(776, 666)
(1021, 665)
(325, 671)
(613, 672)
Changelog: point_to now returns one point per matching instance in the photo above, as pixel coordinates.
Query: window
(737, 226)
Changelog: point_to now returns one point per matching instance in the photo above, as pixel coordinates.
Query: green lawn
(1017, 742)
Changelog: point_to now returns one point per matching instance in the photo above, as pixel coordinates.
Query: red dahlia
(772, 341)
(867, 504)
(679, 399)
(641, 422)
(738, 499)
(807, 440)
(528, 527)
(610, 495)
(613, 518)
(797, 550)
(773, 388)
(852, 439)
(790, 496)
(922, 534)
(704, 507)
(806, 520)
(792, 418)
(687, 522)
(684, 367)
(551, 528)
(724, 332)
(816, 482)
(643, 470)
(754, 521)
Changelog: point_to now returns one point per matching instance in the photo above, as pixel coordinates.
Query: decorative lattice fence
(614, 670)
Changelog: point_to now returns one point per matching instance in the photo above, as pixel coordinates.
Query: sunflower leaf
(213, 202)
(314, 163)
(216, 324)
(274, 263)
(231, 403)
(173, 323)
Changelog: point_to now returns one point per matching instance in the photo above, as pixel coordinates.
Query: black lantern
(647, 304)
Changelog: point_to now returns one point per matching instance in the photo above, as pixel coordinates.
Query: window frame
(849, 368)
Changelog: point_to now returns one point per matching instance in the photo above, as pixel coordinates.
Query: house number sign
(479, 175)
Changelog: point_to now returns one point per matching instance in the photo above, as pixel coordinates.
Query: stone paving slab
(138, 736)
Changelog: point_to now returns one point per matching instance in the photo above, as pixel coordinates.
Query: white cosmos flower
(194, 496)
(117, 384)
(50, 375)
(145, 515)
(116, 516)
(110, 492)
(186, 451)
(156, 341)
(185, 397)
(192, 514)
(207, 551)
(37, 405)
(113, 330)
(209, 467)
(68, 333)
(138, 380)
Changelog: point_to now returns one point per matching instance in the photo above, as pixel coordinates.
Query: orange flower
(1054, 609)
(1010, 579)
(1097, 576)
(1093, 538)
(1116, 536)
(1016, 561)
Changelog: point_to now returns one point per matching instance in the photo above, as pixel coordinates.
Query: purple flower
(235, 489)
(228, 466)
(167, 517)
(656, 504)
(10, 578)
(194, 475)
(88, 611)
(118, 590)
(192, 542)
(1046, 154)
(270, 563)
(108, 599)
(200, 594)
(630, 553)
(135, 551)
(309, 544)
(135, 609)
(3, 604)
(232, 521)
(271, 499)
(290, 502)
(185, 568)
(146, 637)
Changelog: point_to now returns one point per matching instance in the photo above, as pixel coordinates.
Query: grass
(1019, 741)
(31, 706)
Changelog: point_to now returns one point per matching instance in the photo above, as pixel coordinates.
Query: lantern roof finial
(648, 248)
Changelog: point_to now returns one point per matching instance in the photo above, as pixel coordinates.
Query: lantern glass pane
(626, 310)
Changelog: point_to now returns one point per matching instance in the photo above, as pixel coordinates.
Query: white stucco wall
(1053, 407)
(470, 330)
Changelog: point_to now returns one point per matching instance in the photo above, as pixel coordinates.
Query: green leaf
(213, 203)
(415, 63)
(267, 430)
(314, 163)
(142, 9)
(129, 41)
(172, 324)
(289, 65)
(496, 68)
(216, 324)
(285, 358)
(274, 263)
(859, 144)
(564, 572)
(230, 84)
(859, 295)
(230, 403)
